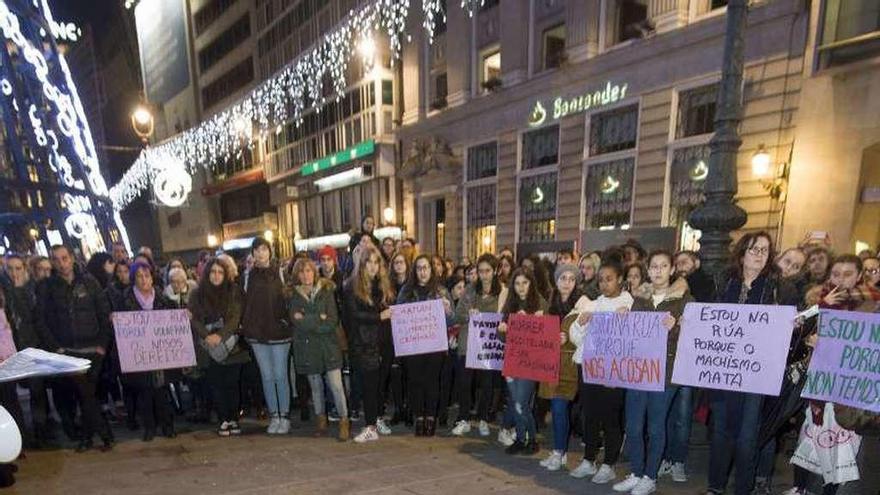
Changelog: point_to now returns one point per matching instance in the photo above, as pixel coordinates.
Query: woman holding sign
(366, 300)
(423, 370)
(523, 299)
(150, 387)
(485, 296)
(653, 407)
(601, 406)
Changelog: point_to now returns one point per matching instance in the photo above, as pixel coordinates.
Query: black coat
(21, 306)
(144, 379)
(75, 315)
(367, 333)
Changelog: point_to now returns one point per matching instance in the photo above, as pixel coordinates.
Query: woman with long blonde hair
(366, 300)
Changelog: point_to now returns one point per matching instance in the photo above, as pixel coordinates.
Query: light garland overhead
(472, 6)
(284, 97)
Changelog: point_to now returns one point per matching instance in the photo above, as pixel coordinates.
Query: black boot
(516, 448)
(149, 434)
(420, 427)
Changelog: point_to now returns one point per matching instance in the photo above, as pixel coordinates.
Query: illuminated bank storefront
(608, 145)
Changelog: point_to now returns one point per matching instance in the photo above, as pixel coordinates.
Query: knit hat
(565, 268)
(327, 250)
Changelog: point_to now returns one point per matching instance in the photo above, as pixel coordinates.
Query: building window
(614, 130)
(554, 47)
(481, 204)
(609, 193)
(688, 171)
(850, 32)
(482, 161)
(490, 69)
(230, 82)
(540, 147)
(212, 11)
(438, 91)
(717, 4)
(228, 40)
(627, 20)
(537, 208)
(696, 111)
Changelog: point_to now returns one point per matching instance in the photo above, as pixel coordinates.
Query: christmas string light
(472, 6)
(432, 10)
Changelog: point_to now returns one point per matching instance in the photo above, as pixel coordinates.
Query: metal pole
(719, 215)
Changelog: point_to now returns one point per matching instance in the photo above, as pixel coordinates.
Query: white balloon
(10, 437)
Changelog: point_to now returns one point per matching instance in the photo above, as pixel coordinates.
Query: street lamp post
(719, 215)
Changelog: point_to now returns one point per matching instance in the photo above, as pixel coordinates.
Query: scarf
(145, 300)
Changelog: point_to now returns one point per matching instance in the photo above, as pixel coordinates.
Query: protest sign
(419, 328)
(485, 349)
(32, 362)
(845, 367)
(7, 344)
(626, 350)
(154, 340)
(532, 348)
(739, 347)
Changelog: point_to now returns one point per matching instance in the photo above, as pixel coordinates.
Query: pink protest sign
(739, 347)
(485, 349)
(626, 350)
(154, 340)
(419, 328)
(7, 344)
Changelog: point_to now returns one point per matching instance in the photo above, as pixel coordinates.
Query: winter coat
(315, 344)
(145, 379)
(366, 331)
(73, 316)
(568, 371)
(224, 321)
(675, 307)
(482, 303)
(179, 301)
(264, 315)
(21, 303)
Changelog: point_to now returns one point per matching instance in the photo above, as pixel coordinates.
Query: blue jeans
(679, 423)
(273, 362)
(333, 379)
(735, 421)
(559, 409)
(650, 407)
(521, 392)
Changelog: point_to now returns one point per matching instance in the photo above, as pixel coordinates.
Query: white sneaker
(273, 425)
(546, 460)
(665, 469)
(556, 461)
(586, 468)
(283, 426)
(506, 437)
(793, 491)
(484, 429)
(367, 435)
(679, 474)
(382, 428)
(644, 487)
(627, 484)
(461, 428)
(606, 473)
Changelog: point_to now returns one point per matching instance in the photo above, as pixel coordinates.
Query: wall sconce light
(388, 215)
(761, 169)
(761, 162)
(212, 240)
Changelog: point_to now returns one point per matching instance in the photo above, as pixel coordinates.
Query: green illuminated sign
(563, 106)
(359, 150)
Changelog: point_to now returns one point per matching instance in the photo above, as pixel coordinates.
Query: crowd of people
(313, 333)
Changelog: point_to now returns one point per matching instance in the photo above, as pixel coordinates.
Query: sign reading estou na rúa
(562, 106)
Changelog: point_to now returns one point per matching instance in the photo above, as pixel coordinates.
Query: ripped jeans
(521, 392)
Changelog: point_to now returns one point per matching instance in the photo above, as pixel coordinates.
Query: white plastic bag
(827, 449)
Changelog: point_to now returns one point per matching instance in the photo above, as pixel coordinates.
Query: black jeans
(601, 409)
(225, 381)
(447, 382)
(80, 389)
(464, 380)
(154, 407)
(424, 383)
(371, 393)
(386, 349)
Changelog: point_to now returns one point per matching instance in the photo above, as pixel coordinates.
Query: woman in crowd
(487, 295)
(525, 299)
(562, 393)
(399, 268)
(636, 275)
(216, 313)
(455, 286)
(818, 263)
(423, 370)
(588, 284)
(601, 406)
(653, 407)
(506, 266)
(366, 302)
(150, 387)
(871, 273)
(438, 266)
(266, 329)
(388, 248)
(316, 349)
(751, 279)
(179, 288)
(470, 274)
(41, 268)
(535, 266)
(101, 267)
(368, 224)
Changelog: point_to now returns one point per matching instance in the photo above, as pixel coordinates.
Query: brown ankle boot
(320, 425)
(344, 429)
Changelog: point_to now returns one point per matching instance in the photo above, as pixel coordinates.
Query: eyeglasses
(759, 251)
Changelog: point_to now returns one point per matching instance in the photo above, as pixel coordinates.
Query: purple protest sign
(485, 351)
(626, 350)
(845, 367)
(739, 347)
(154, 340)
(7, 344)
(419, 328)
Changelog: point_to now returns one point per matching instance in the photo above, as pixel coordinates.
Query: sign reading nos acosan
(563, 106)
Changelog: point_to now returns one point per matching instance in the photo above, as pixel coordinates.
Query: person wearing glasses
(871, 273)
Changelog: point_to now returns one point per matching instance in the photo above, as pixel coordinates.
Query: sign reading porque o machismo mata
(154, 340)
(845, 366)
(738, 347)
